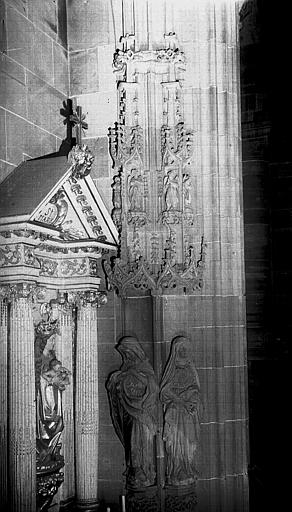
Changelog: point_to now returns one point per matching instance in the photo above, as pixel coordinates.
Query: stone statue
(51, 380)
(171, 193)
(179, 395)
(136, 190)
(187, 191)
(133, 396)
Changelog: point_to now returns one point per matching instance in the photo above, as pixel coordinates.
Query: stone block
(2, 135)
(104, 406)
(43, 57)
(44, 104)
(138, 315)
(19, 5)
(20, 39)
(44, 16)
(83, 72)
(235, 445)
(5, 170)
(111, 454)
(212, 381)
(109, 359)
(3, 35)
(106, 77)
(88, 24)
(61, 76)
(62, 23)
(218, 346)
(210, 455)
(102, 161)
(12, 91)
(101, 112)
(110, 491)
(23, 137)
(208, 492)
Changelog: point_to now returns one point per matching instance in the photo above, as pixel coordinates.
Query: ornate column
(64, 352)
(22, 411)
(3, 403)
(86, 400)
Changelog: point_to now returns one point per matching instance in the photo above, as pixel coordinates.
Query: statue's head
(130, 349)
(181, 350)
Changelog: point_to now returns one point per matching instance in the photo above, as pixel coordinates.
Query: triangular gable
(77, 211)
(57, 196)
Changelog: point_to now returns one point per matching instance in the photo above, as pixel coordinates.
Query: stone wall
(34, 79)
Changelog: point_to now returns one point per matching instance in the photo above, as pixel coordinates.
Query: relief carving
(133, 395)
(180, 396)
(10, 255)
(81, 159)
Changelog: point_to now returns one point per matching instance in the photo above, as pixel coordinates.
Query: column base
(87, 505)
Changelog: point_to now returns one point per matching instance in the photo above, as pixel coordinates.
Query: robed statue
(133, 396)
(180, 396)
(51, 380)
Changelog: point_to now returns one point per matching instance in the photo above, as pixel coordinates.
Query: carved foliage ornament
(29, 291)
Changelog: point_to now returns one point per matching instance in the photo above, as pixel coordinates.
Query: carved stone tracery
(153, 181)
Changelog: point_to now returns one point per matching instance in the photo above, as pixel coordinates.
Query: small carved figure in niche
(171, 193)
(180, 390)
(187, 191)
(117, 197)
(133, 396)
(62, 207)
(51, 380)
(136, 190)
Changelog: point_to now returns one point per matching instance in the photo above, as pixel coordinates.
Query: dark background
(265, 47)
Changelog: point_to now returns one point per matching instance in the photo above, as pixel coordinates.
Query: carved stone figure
(51, 380)
(171, 193)
(187, 191)
(133, 395)
(180, 395)
(136, 190)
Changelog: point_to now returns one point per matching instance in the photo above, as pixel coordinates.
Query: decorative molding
(139, 275)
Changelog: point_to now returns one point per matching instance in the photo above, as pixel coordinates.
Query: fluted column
(64, 352)
(22, 411)
(3, 404)
(86, 402)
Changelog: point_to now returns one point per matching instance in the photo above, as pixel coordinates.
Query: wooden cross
(78, 121)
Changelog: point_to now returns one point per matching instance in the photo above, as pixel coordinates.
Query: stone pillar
(86, 402)
(22, 411)
(3, 404)
(64, 352)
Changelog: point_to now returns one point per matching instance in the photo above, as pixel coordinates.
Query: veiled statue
(133, 396)
(171, 192)
(180, 396)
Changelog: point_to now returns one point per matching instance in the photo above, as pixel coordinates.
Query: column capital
(30, 291)
(85, 298)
